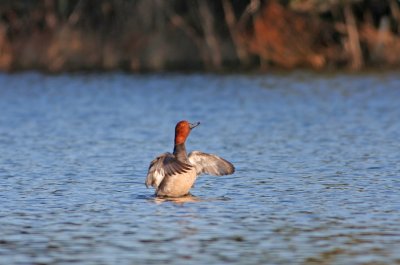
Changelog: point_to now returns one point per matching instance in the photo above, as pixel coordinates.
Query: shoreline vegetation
(203, 35)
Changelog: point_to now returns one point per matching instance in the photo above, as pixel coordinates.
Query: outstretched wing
(163, 166)
(210, 164)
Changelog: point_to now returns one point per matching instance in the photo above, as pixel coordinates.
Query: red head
(182, 130)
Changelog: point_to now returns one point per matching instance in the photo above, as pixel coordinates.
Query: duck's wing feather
(210, 164)
(163, 166)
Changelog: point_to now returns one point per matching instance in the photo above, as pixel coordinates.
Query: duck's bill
(192, 125)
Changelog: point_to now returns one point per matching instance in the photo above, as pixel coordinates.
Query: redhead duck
(173, 175)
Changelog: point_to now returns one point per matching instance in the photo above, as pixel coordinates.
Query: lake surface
(317, 176)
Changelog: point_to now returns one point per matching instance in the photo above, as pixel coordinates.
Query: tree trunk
(395, 10)
(232, 26)
(353, 38)
(207, 23)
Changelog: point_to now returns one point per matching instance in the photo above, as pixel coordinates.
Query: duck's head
(182, 130)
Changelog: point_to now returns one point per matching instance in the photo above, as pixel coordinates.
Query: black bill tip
(193, 125)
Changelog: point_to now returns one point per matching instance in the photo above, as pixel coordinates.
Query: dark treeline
(211, 35)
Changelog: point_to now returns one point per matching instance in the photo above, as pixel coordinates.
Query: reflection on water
(180, 200)
(317, 179)
(186, 199)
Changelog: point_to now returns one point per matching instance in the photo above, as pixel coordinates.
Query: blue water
(317, 169)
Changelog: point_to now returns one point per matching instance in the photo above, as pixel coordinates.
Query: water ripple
(317, 180)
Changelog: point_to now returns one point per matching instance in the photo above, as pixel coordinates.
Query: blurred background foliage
(210, 35)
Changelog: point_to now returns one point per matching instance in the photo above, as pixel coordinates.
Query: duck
(174, 174)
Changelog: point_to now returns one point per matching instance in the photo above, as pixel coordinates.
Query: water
(317, 169)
